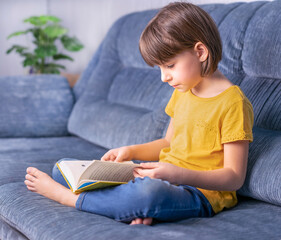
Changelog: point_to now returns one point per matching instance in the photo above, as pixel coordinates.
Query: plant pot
(71, 78)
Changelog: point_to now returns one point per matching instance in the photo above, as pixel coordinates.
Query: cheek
(189, 71)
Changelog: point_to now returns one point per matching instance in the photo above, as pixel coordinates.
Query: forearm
(224, 179)
(149, 151)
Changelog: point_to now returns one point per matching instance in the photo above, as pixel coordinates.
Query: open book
(82, 175)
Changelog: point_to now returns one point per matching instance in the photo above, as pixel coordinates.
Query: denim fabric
(34, 106)
(142, 198)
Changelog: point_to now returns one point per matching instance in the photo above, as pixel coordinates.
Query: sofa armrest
(34, 106)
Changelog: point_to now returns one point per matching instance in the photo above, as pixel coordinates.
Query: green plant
(45, 31)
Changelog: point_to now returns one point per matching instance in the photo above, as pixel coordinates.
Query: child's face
(183, 71)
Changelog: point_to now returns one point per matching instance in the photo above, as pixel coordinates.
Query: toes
(136, 221)
(29, 183)
(34, 171)
(31, 189)
(133, 222)
(30, 178)
(147, 221)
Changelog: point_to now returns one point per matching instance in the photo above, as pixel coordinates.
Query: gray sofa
(118, 101)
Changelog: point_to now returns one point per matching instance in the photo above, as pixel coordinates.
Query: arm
(229, 178)
(150, 151)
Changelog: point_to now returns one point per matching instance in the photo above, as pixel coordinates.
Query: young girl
(203, 157)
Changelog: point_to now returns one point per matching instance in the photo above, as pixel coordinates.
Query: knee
(151, 191)
(56, 172)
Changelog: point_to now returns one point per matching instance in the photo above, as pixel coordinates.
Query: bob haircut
(177, 27)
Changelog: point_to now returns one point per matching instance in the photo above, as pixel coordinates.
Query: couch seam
(245, 32)
(13, 225)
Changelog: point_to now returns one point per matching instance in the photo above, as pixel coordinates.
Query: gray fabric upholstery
(121, 101)
(45, 219)
(263, 180)
(34, 106)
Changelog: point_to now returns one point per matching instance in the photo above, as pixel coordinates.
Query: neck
(210, 85)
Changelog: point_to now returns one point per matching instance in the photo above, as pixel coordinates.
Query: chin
(182, 90)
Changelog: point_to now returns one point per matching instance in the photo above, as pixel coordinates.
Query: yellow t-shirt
(201, 127)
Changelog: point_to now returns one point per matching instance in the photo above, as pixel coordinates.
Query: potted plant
(46, 31)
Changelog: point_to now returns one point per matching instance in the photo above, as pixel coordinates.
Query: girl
(202, 160)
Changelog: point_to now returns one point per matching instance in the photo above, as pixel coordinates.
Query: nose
(165, 77)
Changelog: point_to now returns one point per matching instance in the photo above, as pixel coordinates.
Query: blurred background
(88, 20)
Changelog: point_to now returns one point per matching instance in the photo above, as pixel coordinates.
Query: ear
(201, 51)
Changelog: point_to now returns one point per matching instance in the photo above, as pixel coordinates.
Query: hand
(160, 170)
(118, 155)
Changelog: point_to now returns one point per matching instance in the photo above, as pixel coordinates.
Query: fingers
(109, 156)
(149, 165)
(136, 174)
(119, 158)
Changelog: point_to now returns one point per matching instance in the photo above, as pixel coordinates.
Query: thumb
(149, 165)
(119, 158)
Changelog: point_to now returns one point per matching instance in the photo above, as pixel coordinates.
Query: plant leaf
(54, 31)
(62, 56)
(49, 18)
(42, 20)
(18, 33)
(36, 21)
(71, 44)
(50, 70)
(18, 49)
(29, 62)
(46, 51)
(54, 65)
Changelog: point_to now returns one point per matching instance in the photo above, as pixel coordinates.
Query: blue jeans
(142, 198)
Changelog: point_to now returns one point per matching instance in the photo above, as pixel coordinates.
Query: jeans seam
(157, 211)
(81, 200)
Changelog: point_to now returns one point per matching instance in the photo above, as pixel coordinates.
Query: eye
(171, 66)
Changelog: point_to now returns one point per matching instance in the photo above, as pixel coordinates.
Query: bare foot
(145, 221)
(42, 183)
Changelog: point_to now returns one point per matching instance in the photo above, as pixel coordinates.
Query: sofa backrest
(121, 100)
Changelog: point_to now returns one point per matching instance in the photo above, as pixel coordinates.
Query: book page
(109, 171)
(73, 170)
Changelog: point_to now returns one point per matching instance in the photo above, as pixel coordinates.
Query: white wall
(89, 20)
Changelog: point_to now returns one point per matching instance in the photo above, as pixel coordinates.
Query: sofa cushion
(263, 180)
(34, 106)
(16, 154)
(265, 96)
(124, 98)
(45, 219)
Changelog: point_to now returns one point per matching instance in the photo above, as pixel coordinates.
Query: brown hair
(178, 27)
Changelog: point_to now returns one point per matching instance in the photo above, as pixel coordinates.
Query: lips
(174, 86)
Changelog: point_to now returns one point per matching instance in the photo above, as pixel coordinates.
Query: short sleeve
(171, 105)
(237, 123)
